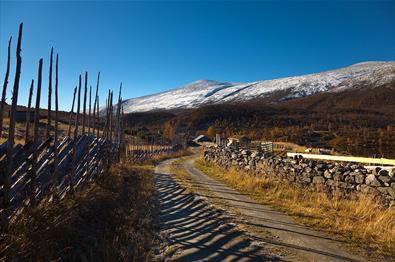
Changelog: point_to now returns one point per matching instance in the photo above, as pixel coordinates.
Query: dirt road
(205, 233)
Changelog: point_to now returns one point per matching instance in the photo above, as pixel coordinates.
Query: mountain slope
(206, 92)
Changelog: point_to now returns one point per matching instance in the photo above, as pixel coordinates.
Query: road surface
(202, 232)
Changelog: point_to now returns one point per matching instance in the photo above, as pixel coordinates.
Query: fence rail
(366, 160)
(139, 153)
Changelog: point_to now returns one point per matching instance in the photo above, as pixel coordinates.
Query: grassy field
(21, 130)
(112, 220)
(361, 222)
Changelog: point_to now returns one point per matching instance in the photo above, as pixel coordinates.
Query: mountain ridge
(206, 92)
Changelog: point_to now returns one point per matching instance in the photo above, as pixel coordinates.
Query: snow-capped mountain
(202, 92)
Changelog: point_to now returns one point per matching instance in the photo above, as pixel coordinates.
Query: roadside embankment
(359, 219)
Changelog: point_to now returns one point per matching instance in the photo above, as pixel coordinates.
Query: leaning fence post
(28, 112)
(55, 150)
(118, 115)
(97, 113)
(89, 112)
(95, 104)
(74, 164)
(84, 106)
(111, 117)
(7, 73)
(11, 132)
(36, 134)
(71, 113)
(49, 94)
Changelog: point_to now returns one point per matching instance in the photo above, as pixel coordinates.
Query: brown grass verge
(361, 221)
(112, 220)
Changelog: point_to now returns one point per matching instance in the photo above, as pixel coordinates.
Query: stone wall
(347, 178)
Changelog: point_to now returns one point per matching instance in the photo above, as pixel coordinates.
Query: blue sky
(156, 46)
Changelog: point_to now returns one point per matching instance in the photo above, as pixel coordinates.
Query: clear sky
(156, 46)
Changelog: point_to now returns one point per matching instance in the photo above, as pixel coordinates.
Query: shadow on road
(313, 245)
(201, 231)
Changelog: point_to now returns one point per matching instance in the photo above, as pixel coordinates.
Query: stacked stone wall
(346, 178)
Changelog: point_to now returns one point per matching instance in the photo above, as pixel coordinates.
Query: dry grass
(360, 221)
(113, 220)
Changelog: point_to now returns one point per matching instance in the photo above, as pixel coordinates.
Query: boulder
(359, 178)
(371, 180)
(328, 174)
(383, 172)
(338, 176)
(349, 179)
(385, 178)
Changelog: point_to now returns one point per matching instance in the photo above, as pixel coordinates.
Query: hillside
(368, 75)
(359, 121)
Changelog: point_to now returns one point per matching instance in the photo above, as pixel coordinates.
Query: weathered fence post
(89, 112)
(55, 150)
(111, 117)
(97, 113)
(36, 134)
(11, 131)
(106, 128)
(49, 95)
(95, 105)
(74, 164)
(29, 103)
(118, 124)
(122, 135)
(84, 109)
(4, 93)
(71, 113)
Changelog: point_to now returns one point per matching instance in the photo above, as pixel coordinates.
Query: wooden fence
(139, 153)
(48, 167)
